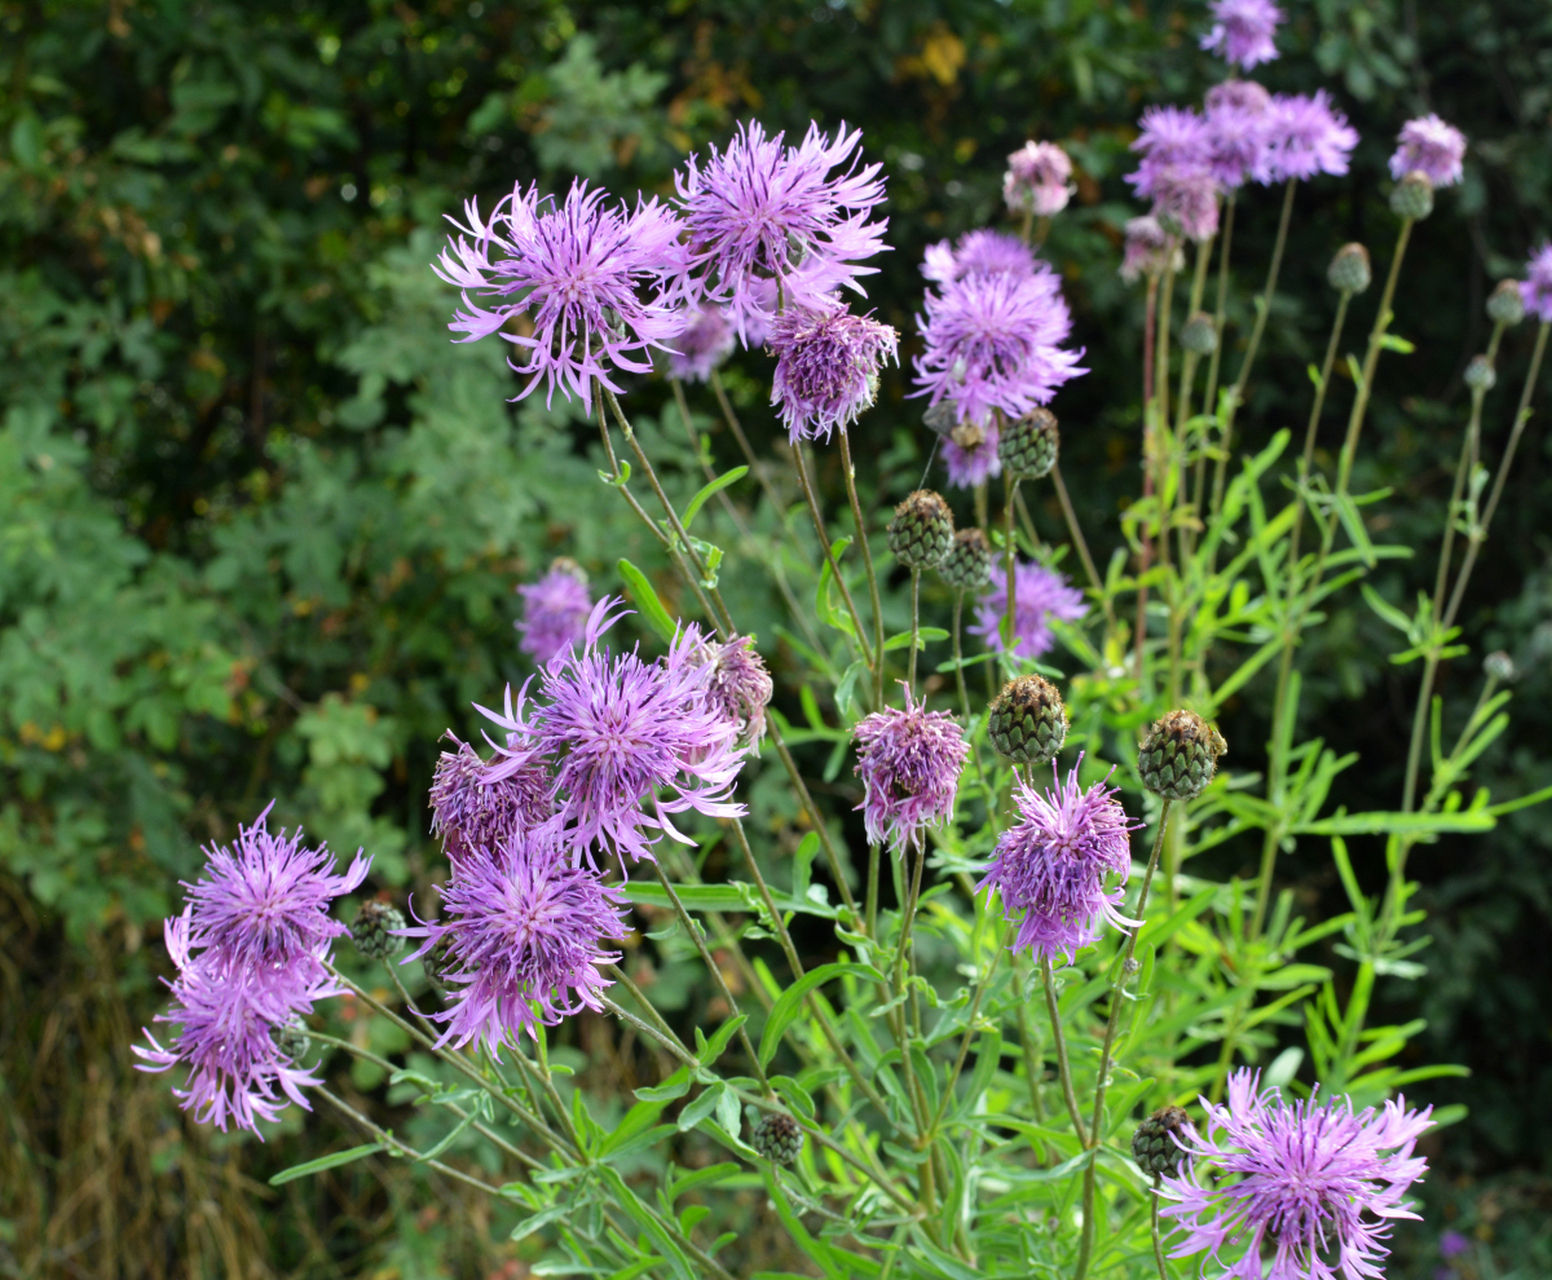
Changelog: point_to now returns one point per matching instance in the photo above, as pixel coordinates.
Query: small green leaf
(645, 599)
(716, 486)
(925, 634)
(325, 1162)
(786, 1008)
(1395, 342)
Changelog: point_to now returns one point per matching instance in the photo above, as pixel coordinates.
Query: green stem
(867, 560)
(915, 626)
(1153, 1218)
(1059, 1042)
(835, 569)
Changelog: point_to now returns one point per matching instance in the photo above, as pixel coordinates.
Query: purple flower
(555, 611)
(266, 900)
(1536, 288)
(576, 270)
(759, 213)
(909, 762)
(740, 687)
(978, 253)
(1242, 31)
(992, 343)
(1452, 1244)
(970, 454)
(1314, 1182)
(474, 806)
(229, 1017)
(1239, 115)
(1168, 137)
(1038, 594)
(618, 732)
(524, 931)
(1185, 200)
(1149, 249)
(701, 345)
(827, 364)
(1309, 136)
(1038, 180)
(1430, 146)
(1053, 866)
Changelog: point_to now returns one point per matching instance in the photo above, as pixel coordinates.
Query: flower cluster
(1039, 594)
(909, 761)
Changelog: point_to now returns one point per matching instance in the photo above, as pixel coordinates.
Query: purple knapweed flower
(1150, 250)
(1239, 118)
(761, 214)
(1038, 179)
(970, 454)
(618, 732)
(1308, 136)
(1242, 31)
(993, 342)
(1052, 869)
(909, 761)
(1185, 201)
(1452, 1245)
(978, 253)
(1168, 137)
(524, 930)
(1313, 1182)
(827, 365)
(474, 806)
(229, 1017)
(701, 345)
(265, 902)
(740, 686)
(555, 610)
(577, 270)
(1536, 288)
(1430, 146)
(1038, 595)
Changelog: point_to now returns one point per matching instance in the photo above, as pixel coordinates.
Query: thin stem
(1153, 1219)
(850, 473)
(835, 569)
(915, 625)
(1010, 557)
(1220, 309)
(964, 1043)
(1075, 532)
(1059, 1040)
(737, 429)
(964, 706)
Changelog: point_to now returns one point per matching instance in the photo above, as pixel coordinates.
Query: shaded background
(260, 523)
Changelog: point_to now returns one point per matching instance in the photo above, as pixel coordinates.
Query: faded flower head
(1242, 31)
(1428, 145)
(1312, 1182)
(1169, 138)
(577, 270)
(1052, 869)
(760, 212)
(740, 686)
(525, 932)
(827, 366)
(555, 610)
(1150, 250)
(1536, 288)
(476, 806)
(1239, 117)
(970, 454)
(1038, 180)
(701, 345)
(1308, 136)
(265, 900)
(909, 762)
(1185, 201)
(1039, 594)
(978, 253)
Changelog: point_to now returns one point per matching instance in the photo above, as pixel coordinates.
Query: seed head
(777, 1137)
(1200, 334)
(1179, 756)
(376, 930)
(1500, 666)
(1349, 271)
(1480, 375)
(1412, 197)
(968, 564)
(1506, 304)
(1157, 1143)
(1028, 722)
(1029, 445)
(922, 530)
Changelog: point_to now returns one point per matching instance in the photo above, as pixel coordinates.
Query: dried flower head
(555, 610)
(740, 686)
(1430, 146)
(827, 366)
(1185, 201)
(1038, 180)
(1039, 594)
(909, 761)
(1242, 31)
(701, 344)
(477, 806)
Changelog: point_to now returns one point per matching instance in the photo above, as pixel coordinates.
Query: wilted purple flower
(701, 345)
(992, 343)
(229, 1016)
(1185, 200)
(1038, 595)
(1038, 180)
(1242, 31)
(1054, 865)
(1452, 1244)
(909, 762)
(1430, 146)
(1239, 117)
(524, 930)
(970, 454)
(740, 686)
(266, 899)
(827, 364)
(1311, 1180)
(1536, 288)
(1309, 136)
(577, 271)
(1149, 250)
(555, 610)
(978, 253)
(617, 732)
(474, 806)
(1168, 137)
(760, 213)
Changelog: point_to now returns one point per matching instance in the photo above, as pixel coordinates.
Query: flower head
(1185, 200)
(1308, 136)
(1429, 145)
(827, 365)
(909, 762)
(265, 901)
(740, 686)
(474, 806)
(1452, 1245)
(970, 454)
(577, 270)
(701, 345)
(1242, 31)
(524, 930)
(1149, 249)
(992, 342)
(760, 212)
(1239, 116)
(978, 253)
(1038, 595)
(555, 610)
(1168, 137)
(1536, 288)
(1038, 179)
(1314, 1182)
(1055, 865)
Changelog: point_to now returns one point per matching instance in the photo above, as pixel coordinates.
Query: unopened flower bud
(372, 931)
(1500, 666)
(1028, 722)
(1028, 447)
(1412, 197)
(777, 1137)
(1158, 1145)
(922, 530)
(1349, 271)
(1179, 756)
(1200, 334)
(968, 564)
(1506, 304)
(1479, 374)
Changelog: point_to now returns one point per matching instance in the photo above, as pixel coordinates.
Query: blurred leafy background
(260, 522)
